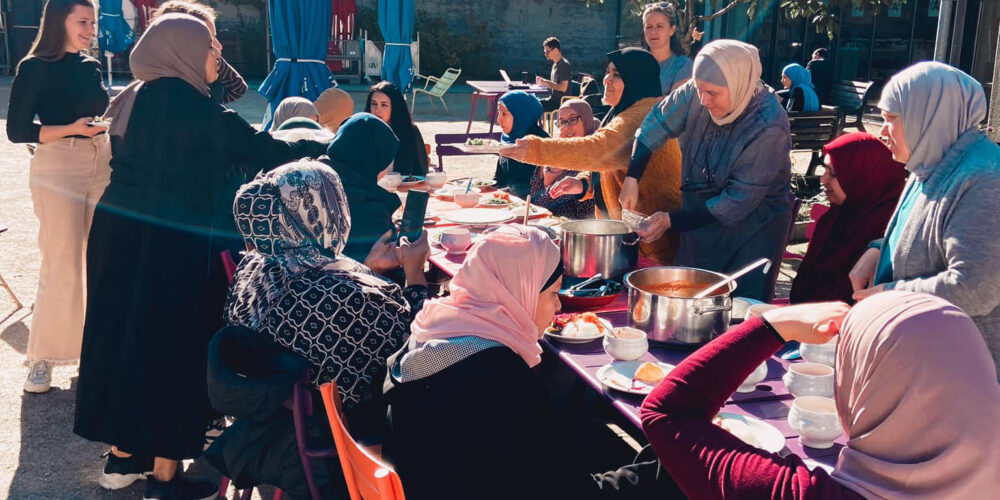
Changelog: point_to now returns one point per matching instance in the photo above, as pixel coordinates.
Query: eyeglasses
(569, 122)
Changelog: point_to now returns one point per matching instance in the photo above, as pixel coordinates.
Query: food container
(824, 354)
(596, 246)
(677, 320)
(816, 421)
(629, 347)
(809, 379)
(584, 302)
(757, 376)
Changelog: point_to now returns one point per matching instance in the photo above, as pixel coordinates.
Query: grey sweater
(950, 246)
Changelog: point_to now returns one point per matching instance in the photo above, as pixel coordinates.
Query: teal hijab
(802, 78)
(526, 110)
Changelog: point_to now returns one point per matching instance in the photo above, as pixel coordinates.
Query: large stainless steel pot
(596, 246)
(677, 320)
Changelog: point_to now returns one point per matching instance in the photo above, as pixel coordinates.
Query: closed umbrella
(114, 35)
(300, 34)
(395, 19)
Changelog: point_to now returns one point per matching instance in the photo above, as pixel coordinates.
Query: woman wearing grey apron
(735, 143)
(69, 170)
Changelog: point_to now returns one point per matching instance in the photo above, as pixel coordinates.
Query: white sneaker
(39, 377)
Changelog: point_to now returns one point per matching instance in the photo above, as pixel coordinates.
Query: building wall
(586, 34)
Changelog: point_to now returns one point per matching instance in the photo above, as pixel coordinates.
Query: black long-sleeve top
(58, 92)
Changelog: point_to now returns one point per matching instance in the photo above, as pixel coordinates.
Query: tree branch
(732, 5)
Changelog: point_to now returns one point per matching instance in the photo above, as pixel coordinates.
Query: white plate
(769, 438)
(483, 149)
(478, 216)
(580, 340)
(419, 178)
(618, 376)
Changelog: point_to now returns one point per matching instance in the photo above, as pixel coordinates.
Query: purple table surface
(769, 403)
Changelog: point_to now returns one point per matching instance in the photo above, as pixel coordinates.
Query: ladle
(761, 262)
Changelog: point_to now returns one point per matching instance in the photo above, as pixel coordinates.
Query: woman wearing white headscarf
(735, 145)
(939, 240)
(293, 107)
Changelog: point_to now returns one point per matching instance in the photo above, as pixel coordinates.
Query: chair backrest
(813, 130)
(445, 82)
(849, 95)
(367, 477)
(440, 139)
(815, 213)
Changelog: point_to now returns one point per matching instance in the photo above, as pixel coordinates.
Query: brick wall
(521, 26)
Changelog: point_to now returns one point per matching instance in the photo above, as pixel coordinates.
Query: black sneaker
(179, 488)
(121, 472)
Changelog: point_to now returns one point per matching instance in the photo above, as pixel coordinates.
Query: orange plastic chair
(367, 477)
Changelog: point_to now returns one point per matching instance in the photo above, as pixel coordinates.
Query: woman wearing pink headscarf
(915, 389)
(467, 414)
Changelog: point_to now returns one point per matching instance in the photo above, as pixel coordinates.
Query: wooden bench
(850, 97)
(444, 144)
(811, 131)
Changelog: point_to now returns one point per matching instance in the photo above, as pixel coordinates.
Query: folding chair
(4, 284)
(441, 86)
(367, 477)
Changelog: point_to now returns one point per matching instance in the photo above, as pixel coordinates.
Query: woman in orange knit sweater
(631, 88)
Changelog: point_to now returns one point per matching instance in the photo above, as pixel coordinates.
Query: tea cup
(809, 379)
(392, 180)
(816, 421)
(456, 240)
(626, 344)
(436, 180)
(467, 200)
(756, 310)
(825, 354)
(750, 384)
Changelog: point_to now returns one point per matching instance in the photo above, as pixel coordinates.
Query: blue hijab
(802, 78)
(526, 111)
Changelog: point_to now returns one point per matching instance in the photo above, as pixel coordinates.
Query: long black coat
(155, 284)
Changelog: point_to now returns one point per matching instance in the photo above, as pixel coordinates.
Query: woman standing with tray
(69, 170)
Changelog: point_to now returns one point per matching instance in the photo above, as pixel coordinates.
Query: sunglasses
(569, 122)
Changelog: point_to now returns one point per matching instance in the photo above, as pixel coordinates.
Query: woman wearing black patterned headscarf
(296, 288)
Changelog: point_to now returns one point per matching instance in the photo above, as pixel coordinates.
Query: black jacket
(251, 378)
(517, 175)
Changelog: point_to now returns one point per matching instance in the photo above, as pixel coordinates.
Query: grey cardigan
(950, 245)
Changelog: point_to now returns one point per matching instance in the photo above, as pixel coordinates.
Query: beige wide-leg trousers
(68, 177)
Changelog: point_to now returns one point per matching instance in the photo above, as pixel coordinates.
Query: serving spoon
(572, 290)
(761, 262)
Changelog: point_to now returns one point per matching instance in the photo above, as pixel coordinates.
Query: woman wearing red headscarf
(863, 184)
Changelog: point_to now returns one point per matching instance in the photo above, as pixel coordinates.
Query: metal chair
(441, 86)
(4, 284)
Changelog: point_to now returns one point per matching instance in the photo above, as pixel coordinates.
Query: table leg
(472, 113)
(492, 107)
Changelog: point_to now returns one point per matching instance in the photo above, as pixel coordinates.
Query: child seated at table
(916, 392)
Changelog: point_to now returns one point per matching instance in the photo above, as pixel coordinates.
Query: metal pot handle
(705, 310)
(632, 243)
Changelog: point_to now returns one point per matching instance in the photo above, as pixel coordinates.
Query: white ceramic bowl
(750, 384)
(627, 349)
(467, 200)
(392, 180)
(436, 180)
(815, 420)
(825, 354)
(809, 379)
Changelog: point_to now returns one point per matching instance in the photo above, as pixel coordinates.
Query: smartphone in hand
(412, 223)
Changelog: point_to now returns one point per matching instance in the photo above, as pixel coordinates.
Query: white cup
(758, 309)
(825, 354)
(750, 384)
(456, 240)
(436, 180)
(631, 346)
(392, 180)
(809, 379)
(467, 200)
(816, 421)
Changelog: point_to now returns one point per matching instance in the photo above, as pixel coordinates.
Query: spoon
(570, 291)
(761, 262)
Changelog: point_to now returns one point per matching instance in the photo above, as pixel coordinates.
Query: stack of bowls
(814, 413)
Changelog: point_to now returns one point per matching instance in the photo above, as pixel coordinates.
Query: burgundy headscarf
(873, 182)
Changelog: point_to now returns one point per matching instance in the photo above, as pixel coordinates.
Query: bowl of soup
(661, 303)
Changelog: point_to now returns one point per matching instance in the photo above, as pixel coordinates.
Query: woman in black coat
(156, 286)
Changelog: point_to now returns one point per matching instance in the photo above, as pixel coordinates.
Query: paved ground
(42, 458)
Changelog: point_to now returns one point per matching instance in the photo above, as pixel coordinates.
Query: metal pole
(267, 33)
(943, 36)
